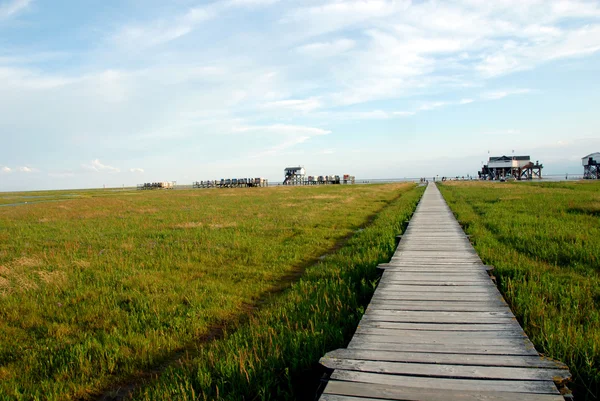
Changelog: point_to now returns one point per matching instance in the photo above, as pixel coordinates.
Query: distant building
(294, 175)
(517, 167)
(506, 162)
(591, 166)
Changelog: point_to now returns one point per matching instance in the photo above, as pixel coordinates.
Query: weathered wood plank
(437, 288)
(418, 296)
(442, 327)
(438, 319)
(360, 342)
(384, 304)
(443, 335)
(442, 370)
(351, 391)
(448, 359)
(434, 296)
(440, 282)
(514, 386)
(433, 269)
(442, 340)
(435, 314)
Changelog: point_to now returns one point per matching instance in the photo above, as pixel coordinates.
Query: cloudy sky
(120, 92)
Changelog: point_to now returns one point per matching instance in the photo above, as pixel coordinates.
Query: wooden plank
(433, 269)
(435, 314)
(442, 340)
(436, 288)
(441, 296)
(451, 371)
(419, 296)
(438, 278)
(442, 327)
(351, 391)
(514, 386)
(384, 304)
(479, 273)
(404, 272)
(445, 335)
(468, 305)
(439, 282)
(447, 359)
(437, 319)
(480, 284)
(361, 342)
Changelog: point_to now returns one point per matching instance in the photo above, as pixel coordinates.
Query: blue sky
(127, 91)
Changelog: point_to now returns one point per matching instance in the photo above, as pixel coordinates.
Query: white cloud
(466, 101)
(356, 115)
(336, 15)
(495, 95)
(404, 113)
(11, 8)
(287, 136)
(136, 170)
(304, 105)
(284, 129)
(250, 3)
(431, 106)
(6, 169)
(503, 132)
(96, 165)
(327, 49)
(25, 78)
(26, 169)
(161, 31)
(61, 174)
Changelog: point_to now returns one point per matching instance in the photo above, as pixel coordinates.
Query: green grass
(544, 240)
(269, 357)
(103, 288)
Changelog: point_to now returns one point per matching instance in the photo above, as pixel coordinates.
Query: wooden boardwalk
(437, 328)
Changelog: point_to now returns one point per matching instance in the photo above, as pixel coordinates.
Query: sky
(121, 92)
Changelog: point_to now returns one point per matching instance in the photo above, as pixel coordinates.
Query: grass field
(544, 240)
(102, 289)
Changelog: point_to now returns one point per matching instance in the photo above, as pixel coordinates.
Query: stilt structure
(294, 175)
(516, 167)
(591, 166)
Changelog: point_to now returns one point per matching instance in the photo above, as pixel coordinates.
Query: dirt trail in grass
(123, 389)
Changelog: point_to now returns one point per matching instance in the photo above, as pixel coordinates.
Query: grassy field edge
(555, 300)
(272, 355)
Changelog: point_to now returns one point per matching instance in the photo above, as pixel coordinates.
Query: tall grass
(102, 288)
(544, 240)
(269, 357)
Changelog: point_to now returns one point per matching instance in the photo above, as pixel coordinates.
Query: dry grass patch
(26, 261)
(149, 210)
(56, 278)
(82, 264)
(4, 283)
(230, 224)
(190, 224)
(323, 197)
